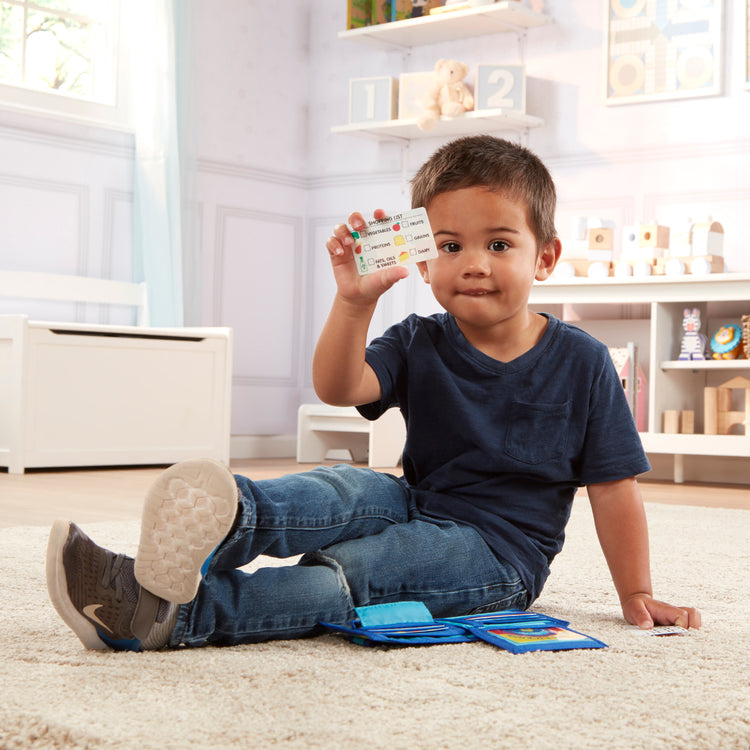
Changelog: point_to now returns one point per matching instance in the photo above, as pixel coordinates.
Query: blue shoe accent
(122, 645)
(207, 561)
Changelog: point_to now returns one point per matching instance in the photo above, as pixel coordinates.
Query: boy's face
(487, 260)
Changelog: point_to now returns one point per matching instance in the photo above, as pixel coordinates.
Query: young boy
(507, 413)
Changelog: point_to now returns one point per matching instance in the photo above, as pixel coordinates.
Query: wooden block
(601, 238)
(725, 399)
(653, 235)
(671, 418)
(728, 419)
(687, 422)
(710, 410)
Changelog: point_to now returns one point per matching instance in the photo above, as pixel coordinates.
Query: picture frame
(662, 51)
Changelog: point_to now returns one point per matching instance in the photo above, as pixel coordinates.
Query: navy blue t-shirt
(502, 446)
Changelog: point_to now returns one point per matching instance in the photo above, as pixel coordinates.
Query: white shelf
(716, 287)
(470, 123)
(706, 364)
(693, 445)
(503, 16)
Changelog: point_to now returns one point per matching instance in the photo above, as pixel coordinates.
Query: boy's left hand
(645, 612)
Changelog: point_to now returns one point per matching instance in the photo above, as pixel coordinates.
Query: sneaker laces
(111, 574)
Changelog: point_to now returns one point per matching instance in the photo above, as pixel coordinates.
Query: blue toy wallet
(412, 624)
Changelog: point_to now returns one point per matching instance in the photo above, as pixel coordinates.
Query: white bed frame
(80, 394)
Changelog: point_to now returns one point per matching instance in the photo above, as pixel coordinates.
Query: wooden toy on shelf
(694, 343)
(718, 417)
(678, 422)
(642, 246)
(653, 240)
(646, 250)
(590, 251)
(726, 343)
(746, 334)
(703, 253)
(687, 421)
(670, 422)
(601, 249)
(707, 238)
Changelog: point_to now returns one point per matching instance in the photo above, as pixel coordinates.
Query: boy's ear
(422, 266)
(547, 260)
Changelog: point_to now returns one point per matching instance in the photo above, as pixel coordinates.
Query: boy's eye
(499, 246)
(451, 247)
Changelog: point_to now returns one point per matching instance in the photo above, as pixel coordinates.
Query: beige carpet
(642, 692)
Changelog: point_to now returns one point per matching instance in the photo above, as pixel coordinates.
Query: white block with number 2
(501, 87)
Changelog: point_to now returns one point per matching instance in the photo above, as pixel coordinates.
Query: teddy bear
(448, 95)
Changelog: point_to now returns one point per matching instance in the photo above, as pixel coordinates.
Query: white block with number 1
(372, 99)
(501, 87)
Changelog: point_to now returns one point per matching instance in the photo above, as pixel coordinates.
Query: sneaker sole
(57, 586)
(188, 511)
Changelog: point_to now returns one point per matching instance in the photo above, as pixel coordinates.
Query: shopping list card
(398, 239)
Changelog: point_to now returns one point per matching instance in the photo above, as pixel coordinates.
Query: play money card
(398, 239)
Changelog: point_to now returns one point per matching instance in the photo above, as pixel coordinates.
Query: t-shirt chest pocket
(537, 432)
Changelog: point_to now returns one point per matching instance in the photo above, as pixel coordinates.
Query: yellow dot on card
(399, 240)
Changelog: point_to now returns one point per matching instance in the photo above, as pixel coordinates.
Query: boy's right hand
(351, 286)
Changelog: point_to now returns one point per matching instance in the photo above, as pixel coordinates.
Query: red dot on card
(396, 227)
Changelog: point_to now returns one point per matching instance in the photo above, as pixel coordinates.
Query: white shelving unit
(500, 17)
(673, 384)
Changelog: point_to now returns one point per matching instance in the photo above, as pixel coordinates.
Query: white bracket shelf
(705, 364)
(502, 16)
(469, 123)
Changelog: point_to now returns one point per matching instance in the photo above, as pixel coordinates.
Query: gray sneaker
(187, 513)
(96, 594)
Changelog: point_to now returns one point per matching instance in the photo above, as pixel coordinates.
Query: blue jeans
(363, 542)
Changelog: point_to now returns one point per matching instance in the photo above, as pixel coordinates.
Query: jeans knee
(320, 558)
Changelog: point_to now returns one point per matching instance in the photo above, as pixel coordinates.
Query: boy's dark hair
(486, 161)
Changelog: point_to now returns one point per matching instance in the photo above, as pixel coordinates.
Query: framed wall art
(662, 50)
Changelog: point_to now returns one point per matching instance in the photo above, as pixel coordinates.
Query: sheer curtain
(164, 226)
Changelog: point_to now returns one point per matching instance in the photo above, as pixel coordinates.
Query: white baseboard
(263, 446)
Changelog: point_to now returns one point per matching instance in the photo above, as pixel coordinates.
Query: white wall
(65, 205)
(272, 79)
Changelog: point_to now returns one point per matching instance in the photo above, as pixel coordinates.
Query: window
(61, 57)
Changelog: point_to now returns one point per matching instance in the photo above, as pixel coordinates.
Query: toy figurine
(694, 344)
(726, 343)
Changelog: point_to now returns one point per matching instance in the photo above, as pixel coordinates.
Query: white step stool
(321, 428)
